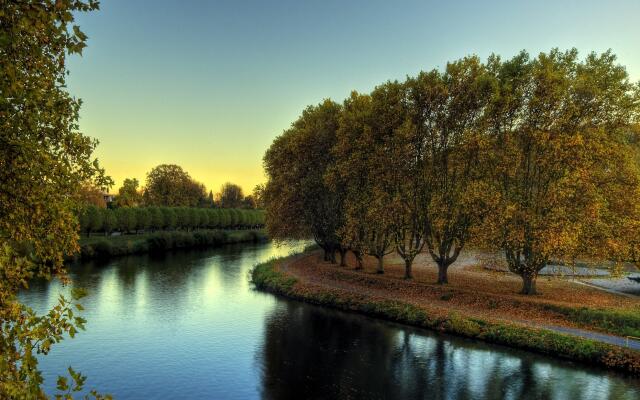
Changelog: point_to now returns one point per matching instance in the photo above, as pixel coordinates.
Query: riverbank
(104, 247)
(477, 304)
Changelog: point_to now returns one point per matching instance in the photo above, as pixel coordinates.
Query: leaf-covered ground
(475, 292)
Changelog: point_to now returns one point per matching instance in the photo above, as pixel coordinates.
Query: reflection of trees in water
(309, 352)
(305, 354)
(172, 281)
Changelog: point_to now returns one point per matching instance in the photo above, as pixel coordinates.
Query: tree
(447, 108)
(94, 219)
(210, 201)
(203, 218)
(357, 172)
(402, 146)
(213, 218)
(129, 194)
(258, 195)
(558, 162)
(90, 194)
(183, 218)
(157, 218)
(249, 202)
(169, 218)
(193, 218)
(299, 202)
(169, 185)
(230, 196)
(225, 218)
(110, 221)
(44, 161)
(126, 218)
(234, 219)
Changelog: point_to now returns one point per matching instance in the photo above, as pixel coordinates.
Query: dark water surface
(189, 325)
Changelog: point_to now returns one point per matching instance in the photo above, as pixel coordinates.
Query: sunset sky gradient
(209, 84)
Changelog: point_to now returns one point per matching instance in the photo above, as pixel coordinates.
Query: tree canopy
(300, 203)
(44, 163)
(536, 157)
(129, 194)
(230, 196)
(169, 185)
(558, 165)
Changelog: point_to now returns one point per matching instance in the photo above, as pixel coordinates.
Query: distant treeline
(168, 185)
(135, 219)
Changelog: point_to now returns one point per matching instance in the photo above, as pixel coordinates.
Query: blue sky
(209, 84)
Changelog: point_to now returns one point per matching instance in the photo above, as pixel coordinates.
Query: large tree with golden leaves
(447, 108)
(359, 172)
(558, 162)
(299, 203)
(400, 155)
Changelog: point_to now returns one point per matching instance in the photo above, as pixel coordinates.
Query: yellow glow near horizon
(209, 85)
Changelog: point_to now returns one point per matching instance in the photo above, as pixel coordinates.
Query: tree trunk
(343, 257)
(326, 254)
(442, 273)
(380, 269)
(358, 259)
(529, 284)
(332, 256)
(407, 269)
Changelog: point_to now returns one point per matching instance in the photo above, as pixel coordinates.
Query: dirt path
(473, 293)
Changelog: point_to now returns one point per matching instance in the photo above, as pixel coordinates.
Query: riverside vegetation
(53, 188)
(158, 242)
(136, 219)
(536, 158)
(270, 276)
(163, 229)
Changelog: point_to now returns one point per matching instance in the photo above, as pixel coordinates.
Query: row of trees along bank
(536, 157)
(134, 219)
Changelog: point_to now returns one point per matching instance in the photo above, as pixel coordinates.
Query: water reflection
(310, 352)
(189, 325)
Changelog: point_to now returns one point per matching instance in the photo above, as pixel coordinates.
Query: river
(190, 325)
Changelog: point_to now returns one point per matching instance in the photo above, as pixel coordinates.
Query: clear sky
(209, 84)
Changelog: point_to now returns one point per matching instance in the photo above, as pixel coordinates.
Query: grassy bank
(157, 242)
(622, 323)
(267, 276)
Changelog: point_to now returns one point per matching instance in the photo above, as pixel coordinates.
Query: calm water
(189, 325)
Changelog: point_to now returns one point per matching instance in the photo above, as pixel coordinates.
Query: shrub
(159, 242)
